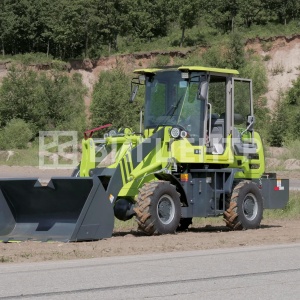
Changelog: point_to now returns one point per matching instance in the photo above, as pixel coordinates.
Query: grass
(277, 69)
(292, 150)
(20, 157)
(30, 156)
(266, 46)
(267, 57)
(33, 59)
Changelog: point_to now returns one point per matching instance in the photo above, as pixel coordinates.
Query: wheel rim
(165, 209)
(250, 207)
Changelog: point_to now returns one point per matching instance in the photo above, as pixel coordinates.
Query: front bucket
(67, 209)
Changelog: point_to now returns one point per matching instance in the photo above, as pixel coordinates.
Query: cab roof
(188, 68)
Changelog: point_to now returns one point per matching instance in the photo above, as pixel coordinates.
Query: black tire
(244, 210)
(158, 208)
(184, 224)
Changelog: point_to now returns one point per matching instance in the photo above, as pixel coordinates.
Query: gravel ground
(131, 242)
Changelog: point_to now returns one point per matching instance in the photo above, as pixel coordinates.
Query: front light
(183, 134)
(175, 132)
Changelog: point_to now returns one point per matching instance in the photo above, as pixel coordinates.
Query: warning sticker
(278, 186)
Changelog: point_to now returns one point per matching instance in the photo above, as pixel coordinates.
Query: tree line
(83, 28)
(32, 101)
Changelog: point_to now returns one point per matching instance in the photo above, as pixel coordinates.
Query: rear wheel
(158, 208)
(245, 207)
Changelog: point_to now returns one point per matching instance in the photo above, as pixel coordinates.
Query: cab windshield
(172, 100)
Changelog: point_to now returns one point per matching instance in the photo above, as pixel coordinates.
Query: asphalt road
(270, 272)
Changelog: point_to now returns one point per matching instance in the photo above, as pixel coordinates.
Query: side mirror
(134, 91)
(202, 92)
(250, 123)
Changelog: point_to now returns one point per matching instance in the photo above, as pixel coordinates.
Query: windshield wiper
(167, 114)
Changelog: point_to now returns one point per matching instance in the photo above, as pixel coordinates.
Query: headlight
(175, 132)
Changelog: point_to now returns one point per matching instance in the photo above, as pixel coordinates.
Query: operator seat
(216, 145)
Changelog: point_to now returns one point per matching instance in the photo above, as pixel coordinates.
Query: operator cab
(199, 101)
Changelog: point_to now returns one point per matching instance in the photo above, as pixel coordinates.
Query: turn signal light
(184, 177)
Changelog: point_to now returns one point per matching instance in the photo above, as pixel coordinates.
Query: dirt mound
(272, 163)
(292, 164)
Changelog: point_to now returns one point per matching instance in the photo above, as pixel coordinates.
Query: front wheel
(158, 208)
(245, 208)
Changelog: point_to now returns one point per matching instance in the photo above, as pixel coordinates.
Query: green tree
(46, 101)
(285, 123)
(8, 21)
(110, 101)
(146, 19)
(186, 14)
(111, 22)
(221, 14)
(235, 51)
(255, 70)
(285, 10)
(278, 126)
(252, 11)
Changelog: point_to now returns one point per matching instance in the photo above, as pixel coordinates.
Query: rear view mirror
(202, 93)
(250, 123)
(134, 91)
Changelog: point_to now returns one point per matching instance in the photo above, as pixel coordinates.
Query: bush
(15, 135)
(110, 101)
(235, 55)
(46, 100)
(255, 70)
(33, 58)
(215, 57)
(162, 60)
(285, 125)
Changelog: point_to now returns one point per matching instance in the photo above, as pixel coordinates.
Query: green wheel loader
(196, 155)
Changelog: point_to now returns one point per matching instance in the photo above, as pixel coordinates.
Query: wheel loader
(196, 155)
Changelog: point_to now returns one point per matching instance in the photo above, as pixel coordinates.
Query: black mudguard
(275, 192)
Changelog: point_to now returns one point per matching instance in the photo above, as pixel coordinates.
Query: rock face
(281, 55)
